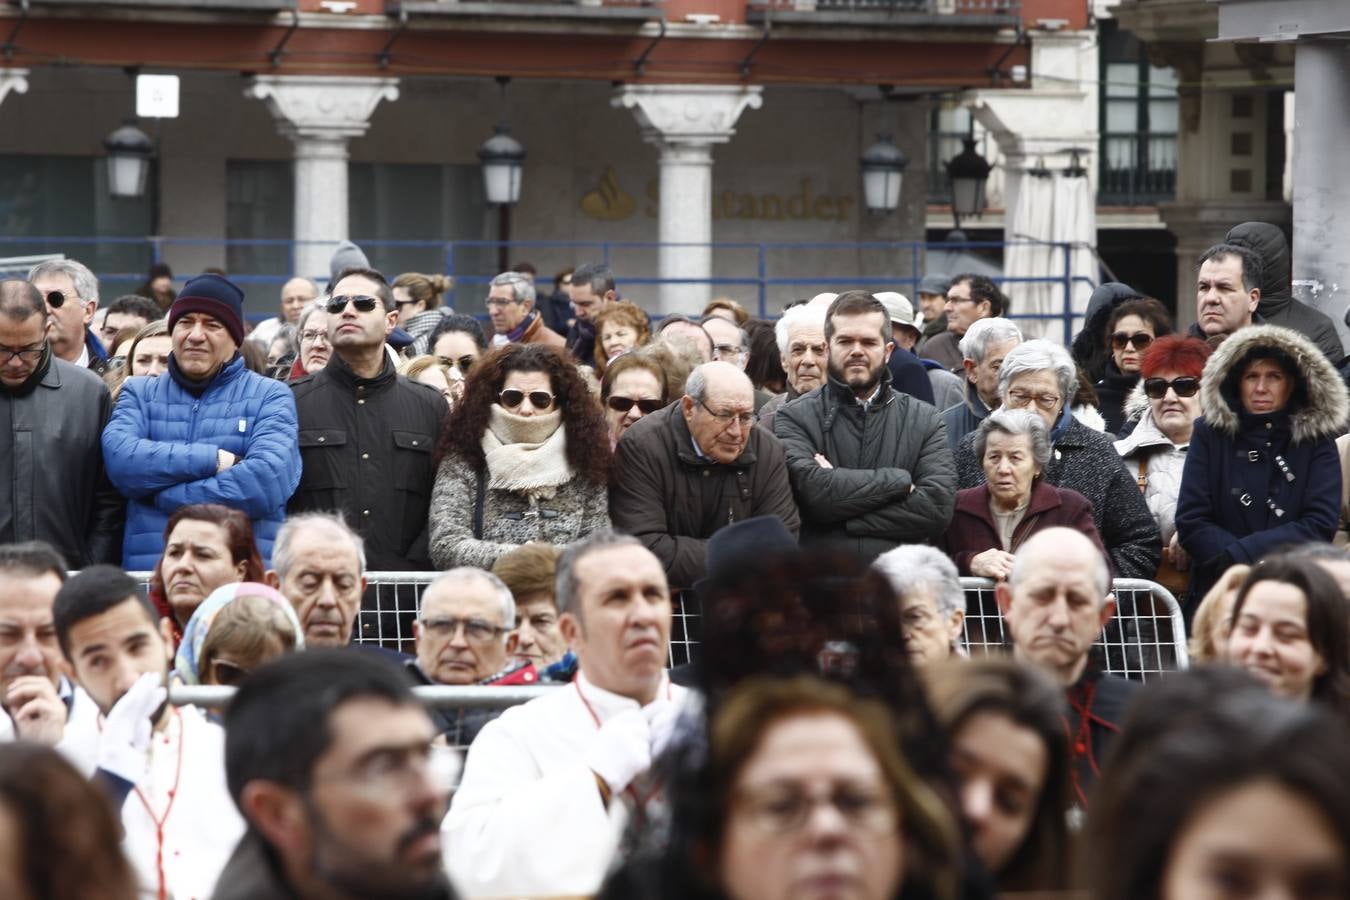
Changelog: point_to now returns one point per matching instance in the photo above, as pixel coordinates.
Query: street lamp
(502, 157)
(883, 171)
(968, 171)
(129, 153)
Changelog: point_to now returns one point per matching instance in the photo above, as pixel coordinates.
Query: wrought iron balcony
(1137, 168)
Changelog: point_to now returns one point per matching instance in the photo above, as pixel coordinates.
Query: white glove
(662, 716)
(622, 750)
(124, 747)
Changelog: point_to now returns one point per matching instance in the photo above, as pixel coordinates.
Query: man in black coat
(1056, 603)
(53, 486)
(367, 434)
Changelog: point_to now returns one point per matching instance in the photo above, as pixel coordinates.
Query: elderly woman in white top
(932, 602)
(1167, 402)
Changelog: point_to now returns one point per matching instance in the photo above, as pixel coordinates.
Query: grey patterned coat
(510, 518)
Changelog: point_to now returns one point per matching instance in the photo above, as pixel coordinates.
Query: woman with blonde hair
(147, 354)
(619, 327)
(429, 370)
(420, 302)
(1213, 617)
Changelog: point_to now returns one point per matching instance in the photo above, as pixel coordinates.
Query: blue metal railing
(769, 272)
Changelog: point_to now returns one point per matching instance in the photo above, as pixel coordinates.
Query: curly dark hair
(587, 433)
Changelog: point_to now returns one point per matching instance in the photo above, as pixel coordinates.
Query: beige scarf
(526, 453)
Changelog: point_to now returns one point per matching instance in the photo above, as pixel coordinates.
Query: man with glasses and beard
(209, 431)
(686, 470)
(366, 432)
(329, 757)
(870, 466)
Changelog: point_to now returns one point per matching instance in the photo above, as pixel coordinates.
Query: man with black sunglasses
(366, 432)
(685, 471)
(71, 292)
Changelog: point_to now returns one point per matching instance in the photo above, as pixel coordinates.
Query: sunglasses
(1139, 340)
(362, 303)
(1186, 386)
(511, 398)
(624, 404)
(464, 363)
(56, 299)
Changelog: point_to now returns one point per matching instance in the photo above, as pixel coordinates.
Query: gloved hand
(124, 746)
(622, 750)
(662, 716)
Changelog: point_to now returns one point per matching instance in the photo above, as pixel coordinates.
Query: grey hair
(805, 315)
(521, 286)
(910, 566)
(309, 310)
(742, 336)
(984, 332)
(1038, 356)
(1014, 422)
(330, 522)
(86, 283)
(504, 596)
(696, 385)
(565, 585)
(1101, 570)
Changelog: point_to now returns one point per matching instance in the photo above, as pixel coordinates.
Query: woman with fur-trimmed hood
(1262, 469)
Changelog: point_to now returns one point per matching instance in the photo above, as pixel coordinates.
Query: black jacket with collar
(366, 445)
(892, 480)
(53, 486)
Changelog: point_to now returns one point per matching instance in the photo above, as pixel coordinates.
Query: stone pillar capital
(688, 115)
(321, 107)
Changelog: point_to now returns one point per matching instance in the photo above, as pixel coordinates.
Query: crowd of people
(193, 502)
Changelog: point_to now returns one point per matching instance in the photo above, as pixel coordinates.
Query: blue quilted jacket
(160, 451)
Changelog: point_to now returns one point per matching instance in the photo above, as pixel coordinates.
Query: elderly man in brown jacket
(697, 465)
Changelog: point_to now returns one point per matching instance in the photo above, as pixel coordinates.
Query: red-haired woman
(1167, 402)
(524, 457)
(206, 545)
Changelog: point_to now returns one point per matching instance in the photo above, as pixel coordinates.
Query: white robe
(203, 826)
(79, 740)
(528, 819)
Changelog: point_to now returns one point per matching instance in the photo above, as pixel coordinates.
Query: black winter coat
(909, 376)
(1112, 390)
(892, 480)
(1086, 461)
(366, 446)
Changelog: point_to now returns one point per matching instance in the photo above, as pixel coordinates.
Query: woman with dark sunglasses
(635, 385)
(524, 457)
(1262, 469)
(1130, 329)
(1166, 404)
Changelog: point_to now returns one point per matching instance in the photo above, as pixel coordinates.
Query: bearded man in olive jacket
(685, 471)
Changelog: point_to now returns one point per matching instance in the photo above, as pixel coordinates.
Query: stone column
(1321, 134)
(685, 121)
(320, 114)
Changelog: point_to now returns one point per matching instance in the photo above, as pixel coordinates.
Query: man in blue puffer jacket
(208, 431)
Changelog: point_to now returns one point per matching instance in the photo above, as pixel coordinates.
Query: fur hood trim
(1324, 413)
(1136, 402)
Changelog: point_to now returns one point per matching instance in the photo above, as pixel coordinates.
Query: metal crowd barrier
(1146, 637)
(438, 696)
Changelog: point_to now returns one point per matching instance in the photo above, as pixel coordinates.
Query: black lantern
(968, 172)
(503, 159)
(883, 171)
(129, 153)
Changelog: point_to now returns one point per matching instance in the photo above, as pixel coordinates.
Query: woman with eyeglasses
(315, 347)
(419, 299)
(524, 457)
(1040, 376)
(1130, 328)
(634, 386)
(1166, 404)
(1262, 469)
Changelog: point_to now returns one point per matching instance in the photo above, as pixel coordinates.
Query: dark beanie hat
(216, 296)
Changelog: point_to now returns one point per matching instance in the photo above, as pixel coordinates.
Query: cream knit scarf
(526, 453)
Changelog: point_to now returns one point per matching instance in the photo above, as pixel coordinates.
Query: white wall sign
(157, 96)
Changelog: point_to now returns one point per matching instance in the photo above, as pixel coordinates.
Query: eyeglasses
(1020, 398)
(726, 418)
(624, 404)
(402, 303)
(57, 299)
(786, 809)
(538, 399)
(1185, 386)
(362, 303)
(27, 354)
(476, 631)
(497, 303)
(1139, 340)
(464, 363)
(721, 352)
(313, 336)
